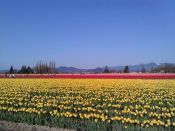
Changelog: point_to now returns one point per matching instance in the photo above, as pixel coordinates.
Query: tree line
(125, 70)
(164, 68)
(50, 68)
(40, 68)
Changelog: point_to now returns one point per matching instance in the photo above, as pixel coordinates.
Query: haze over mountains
(132, 68)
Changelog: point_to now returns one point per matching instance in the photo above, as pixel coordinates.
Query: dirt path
(11, 126)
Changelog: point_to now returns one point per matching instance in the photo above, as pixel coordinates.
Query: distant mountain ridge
(132, 68)
(64, 69)
(136, 68)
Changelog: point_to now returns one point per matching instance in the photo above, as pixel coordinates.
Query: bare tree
(44, 67)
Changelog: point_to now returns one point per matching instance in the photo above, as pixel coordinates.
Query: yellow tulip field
(90, 104)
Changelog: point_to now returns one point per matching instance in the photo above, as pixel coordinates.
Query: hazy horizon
(111, 66)
(88, 33)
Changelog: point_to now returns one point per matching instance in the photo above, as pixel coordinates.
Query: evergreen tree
(126, 69)
(143, 70)
(29, 70)
(106, 70)
(23, 70)
(11, 70)
(26, 70)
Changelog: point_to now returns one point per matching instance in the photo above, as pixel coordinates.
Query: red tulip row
(93, 76)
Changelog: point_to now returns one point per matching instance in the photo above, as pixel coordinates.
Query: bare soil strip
(11, 126)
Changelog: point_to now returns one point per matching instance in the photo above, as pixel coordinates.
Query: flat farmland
(90, 104)
(96, 76)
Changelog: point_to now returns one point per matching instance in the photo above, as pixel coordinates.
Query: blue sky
(86, 33)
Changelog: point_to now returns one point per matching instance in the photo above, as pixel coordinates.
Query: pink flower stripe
(95, 76)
